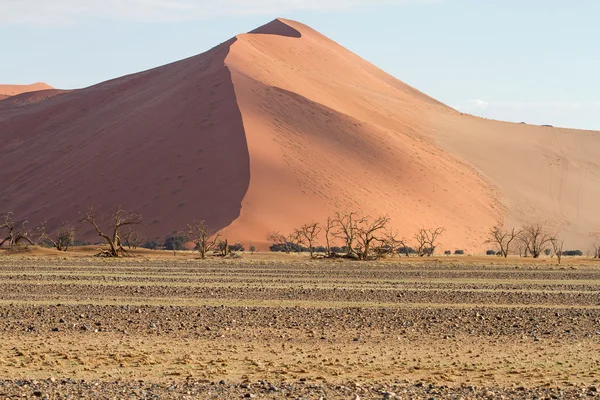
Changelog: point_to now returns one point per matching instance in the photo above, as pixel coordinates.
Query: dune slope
(329, 132)
(280, 127)
(166, 143)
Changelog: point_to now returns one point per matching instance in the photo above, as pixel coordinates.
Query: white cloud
(59, 11)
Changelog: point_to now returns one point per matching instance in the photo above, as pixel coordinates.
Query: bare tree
(557, 247)
(62, 239)
(368, 233)
(421, 238)
(390, 245)
(112, 237)
(223, 247)
(203, 237)
(285, 242)
(596, 244)
(329, 229)
(432, 238)
(520, 247)
(404, 247)
(15, 233)
(347, 227)
(427, 240)
(132, 238)
(503, 238)
(535, 240)
(307, 234)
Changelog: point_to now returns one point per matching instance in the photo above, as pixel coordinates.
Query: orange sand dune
(280, 127)
(12, 90)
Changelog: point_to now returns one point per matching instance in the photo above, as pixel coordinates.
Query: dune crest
(280, 127)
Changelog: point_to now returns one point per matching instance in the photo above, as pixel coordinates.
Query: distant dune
(280, 127)
(12, 90)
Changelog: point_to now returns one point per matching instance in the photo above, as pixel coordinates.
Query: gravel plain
(146, 328)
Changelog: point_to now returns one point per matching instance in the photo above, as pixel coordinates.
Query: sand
(281, 127)
(12, 90)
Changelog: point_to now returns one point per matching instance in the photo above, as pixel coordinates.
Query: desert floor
(167, 326)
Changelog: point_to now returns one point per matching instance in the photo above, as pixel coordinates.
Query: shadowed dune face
(277, 27)
(168, 143)
(28, 98)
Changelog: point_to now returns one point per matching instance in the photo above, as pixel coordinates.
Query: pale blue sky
(536, 61)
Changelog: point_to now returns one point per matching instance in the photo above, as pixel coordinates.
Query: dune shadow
(277, 27)
(169, 143)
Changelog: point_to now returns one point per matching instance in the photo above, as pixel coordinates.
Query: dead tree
(203, 237)
(329, 229)
(402, 246)
(557, 247)
(14, 232)
(390, 245)
(307, 234)
(503, 238)
(433, 237)
(284, 242)
(223, 247)
(132, 238)
(62, 239)
(421, 238)
(596, 244)
(427, 240)
(112, 235)
(347, 227)
(536, 240)
(368, 233)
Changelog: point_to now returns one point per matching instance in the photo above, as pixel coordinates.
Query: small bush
(236, 247)
(409, 250)
(341, 250)
(572, 253)
(280, 248)
(151, 244)
(175, 242)
(447, 253)
(490, 253)
(459, 252)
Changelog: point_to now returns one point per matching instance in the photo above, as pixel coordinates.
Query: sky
(534, 61)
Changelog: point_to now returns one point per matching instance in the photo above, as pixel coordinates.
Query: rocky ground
(156, 328)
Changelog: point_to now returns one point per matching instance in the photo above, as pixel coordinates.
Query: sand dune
(280, 127)
(12, 90)
(168, 143)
